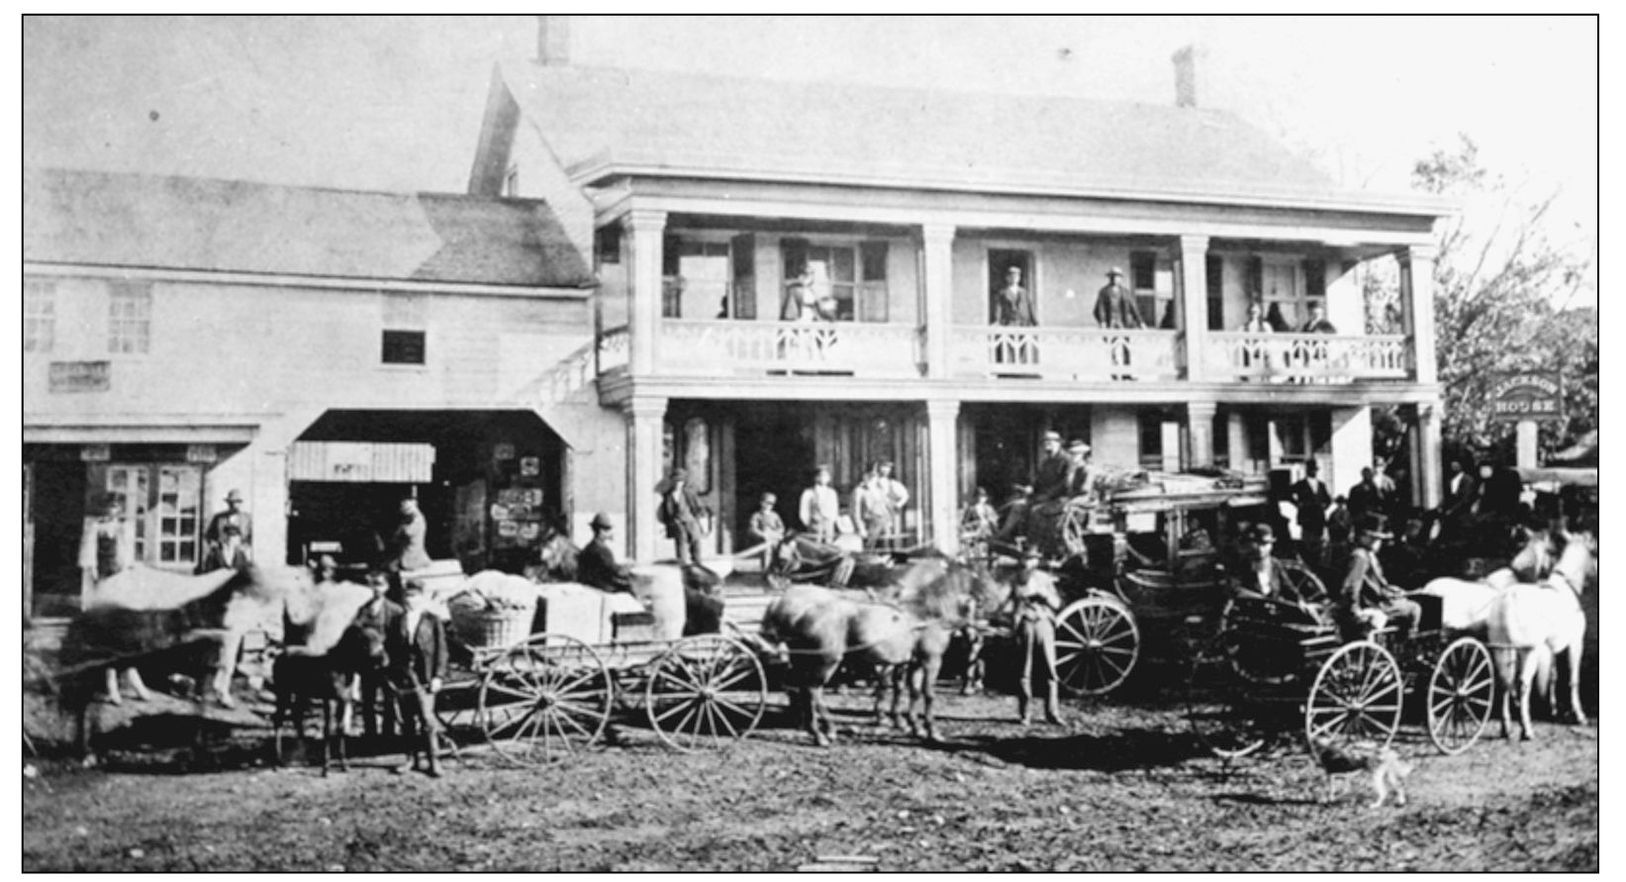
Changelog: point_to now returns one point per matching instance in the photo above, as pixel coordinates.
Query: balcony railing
(1077, 354)
(614, 348)
(732, 348)
(1326, 358)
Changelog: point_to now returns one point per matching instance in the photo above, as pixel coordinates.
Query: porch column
(941, 420)
(1236, 441)
(937, 295)
(1194, 307)
(645, 415)
(1200, 429)
(1425, 456)
(1351, 447)
(1417, 306)
(648, 229)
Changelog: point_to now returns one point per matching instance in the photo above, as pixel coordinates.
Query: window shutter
(1256, 277)
(743, 252)
(872, 266)
(1315, 279)
(1216, 292)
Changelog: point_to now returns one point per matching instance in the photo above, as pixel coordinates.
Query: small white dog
(1388, 771)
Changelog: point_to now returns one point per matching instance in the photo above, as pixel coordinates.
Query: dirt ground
(1124, 787)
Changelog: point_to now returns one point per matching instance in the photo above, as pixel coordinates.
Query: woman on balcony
(1254, 350)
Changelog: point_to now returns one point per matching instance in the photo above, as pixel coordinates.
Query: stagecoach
(1150, 551)
(1277, 668)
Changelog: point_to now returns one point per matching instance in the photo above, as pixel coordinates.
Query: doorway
(774, 455)
(1000, 261)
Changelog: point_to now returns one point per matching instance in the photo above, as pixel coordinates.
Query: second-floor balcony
(1064, 354)
(1325, 358)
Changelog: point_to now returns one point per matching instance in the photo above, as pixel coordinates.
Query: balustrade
(729, 348)
(1077, 354)
(1328, 358)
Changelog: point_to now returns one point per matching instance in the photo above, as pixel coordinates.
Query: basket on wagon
(493, 612)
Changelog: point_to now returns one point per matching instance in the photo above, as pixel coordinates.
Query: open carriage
(543, 681)
(1152, 551)
(1276, 669)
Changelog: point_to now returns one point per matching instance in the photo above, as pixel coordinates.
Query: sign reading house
(1529, 396)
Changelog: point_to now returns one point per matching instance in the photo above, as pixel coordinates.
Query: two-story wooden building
(324, 352)
(707, 203)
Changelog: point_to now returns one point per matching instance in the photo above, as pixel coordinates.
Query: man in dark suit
(1115, 305)
(681, 512)
(1318, 323)
(596, 565)
(1460, 492)
(1050, 478)
(1367, 497)
(1013, 305)
(1311, 498)
(416, 651)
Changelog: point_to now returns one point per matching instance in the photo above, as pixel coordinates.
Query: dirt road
(1125, 788)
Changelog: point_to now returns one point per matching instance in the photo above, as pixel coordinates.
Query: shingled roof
(600, 120)
(149, 221)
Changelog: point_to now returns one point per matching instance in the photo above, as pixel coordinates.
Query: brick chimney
(553, 39)
(1185, 74)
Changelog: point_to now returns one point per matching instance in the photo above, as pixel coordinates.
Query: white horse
(1528, 619)
(1466, 604)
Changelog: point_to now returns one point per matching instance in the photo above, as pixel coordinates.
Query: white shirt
(819, 505)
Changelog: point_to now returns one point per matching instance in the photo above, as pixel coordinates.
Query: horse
(903, 638)
(1528, 618)
(148, 616)
(1466, 604)
(331, 677)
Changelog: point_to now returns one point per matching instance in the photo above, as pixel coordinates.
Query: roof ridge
(269, 185)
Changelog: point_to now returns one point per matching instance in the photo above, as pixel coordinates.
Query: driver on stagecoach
(1050, 478)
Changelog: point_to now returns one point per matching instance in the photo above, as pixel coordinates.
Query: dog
(1388, 771)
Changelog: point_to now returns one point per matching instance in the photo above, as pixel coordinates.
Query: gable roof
(599, 120)
(150, 221)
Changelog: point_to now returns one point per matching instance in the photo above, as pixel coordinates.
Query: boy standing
(416, 647)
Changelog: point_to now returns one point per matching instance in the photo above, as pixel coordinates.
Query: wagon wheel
(1356, 697)
(706, 690)
(546, 697)
(1304, 582)
(1097, 643)
(1216, 706)
(454, 708)
(1461, 693)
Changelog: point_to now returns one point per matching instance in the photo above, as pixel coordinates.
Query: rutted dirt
(1124, 788)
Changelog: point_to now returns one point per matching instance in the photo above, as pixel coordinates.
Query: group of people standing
(1262, 321)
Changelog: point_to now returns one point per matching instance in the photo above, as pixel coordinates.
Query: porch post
(1417, 306)
(1426, 455)
(648, 229)
(1200, 429)
(1194, 307)
(937, 295)
(645, 415)
(941, 420)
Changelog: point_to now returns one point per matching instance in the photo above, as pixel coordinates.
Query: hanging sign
(200, 453)
(1526, 396)
(95, 452)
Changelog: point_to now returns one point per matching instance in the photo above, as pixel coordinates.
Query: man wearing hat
(1367, 601)
(1081, 477)
(229, 538)
(1115, 305)
(1050, 478)
(415, 647)
(680, 511)
(1034, 603)
(766, 528)
(1263, 575)
(596, 566)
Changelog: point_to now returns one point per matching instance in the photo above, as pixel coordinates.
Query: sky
(395, 103)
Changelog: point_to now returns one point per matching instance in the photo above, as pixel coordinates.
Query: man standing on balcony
(1013, 305)
(1318, 323)
(681, 512)
(1115, 306)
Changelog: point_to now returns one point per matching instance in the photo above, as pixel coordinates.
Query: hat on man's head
(1078, 445)
(680, 475)
(234, 495)
(1022, 487)
(770, 498)
(1262, 533)
(412, 586)
(1053, 436)
(1374, 525)
(1115, 271)
(601, 521)
(1032, 553)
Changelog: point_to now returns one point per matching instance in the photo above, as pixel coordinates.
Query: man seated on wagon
(596, 565)
(1262, 575)
(1367, 602)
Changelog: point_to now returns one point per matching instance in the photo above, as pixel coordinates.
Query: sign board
(201, 453)
(95, 452)
(1526, 396)
(81, 376)
(361, 462)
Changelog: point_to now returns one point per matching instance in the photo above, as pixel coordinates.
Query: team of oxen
(901, 626)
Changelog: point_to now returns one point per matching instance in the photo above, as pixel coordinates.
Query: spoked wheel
(706, 691)
(1356, 698)
(1304, 582)
(1461, 694)
(545, 698)
(1097, 644)
(1217, 707)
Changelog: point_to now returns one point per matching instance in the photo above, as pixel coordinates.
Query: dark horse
(904, 636)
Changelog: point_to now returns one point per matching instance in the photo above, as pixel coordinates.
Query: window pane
(1142, 270)
(404, 347)
(846, 269)
(166, 553)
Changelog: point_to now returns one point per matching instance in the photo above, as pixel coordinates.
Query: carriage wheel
(1461, 694)
(1305, 582)
(1356, 697)
(1097, 643)
(1216, 706)
(544, 698)
(707, 690)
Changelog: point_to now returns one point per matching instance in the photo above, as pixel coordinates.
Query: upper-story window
(1288, 287)
(39, 316)
(1152, 276)
(607, 245)
(129, 317)
(835, 282)
(405, 322)
(706, 277)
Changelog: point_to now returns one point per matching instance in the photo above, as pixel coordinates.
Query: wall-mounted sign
(81, 376)
(361, 462)
(201, 453)
(1526, 396)
(95, 452)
